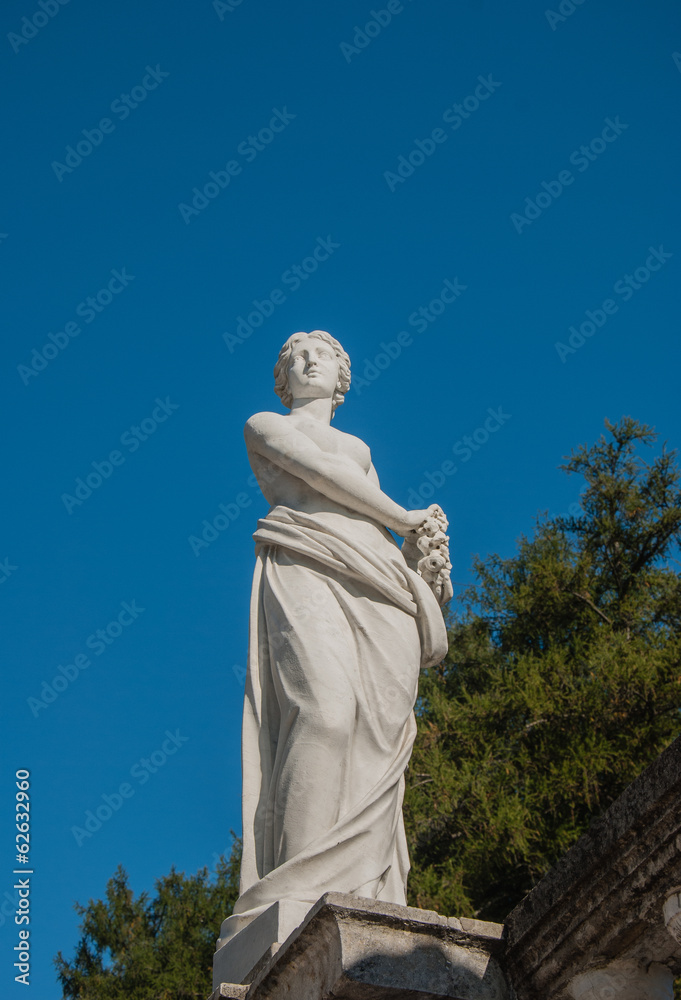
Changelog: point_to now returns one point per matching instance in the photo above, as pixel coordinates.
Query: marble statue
(341, 621)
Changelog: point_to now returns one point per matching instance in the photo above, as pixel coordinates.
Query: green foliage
(562, 682)
(151, 949)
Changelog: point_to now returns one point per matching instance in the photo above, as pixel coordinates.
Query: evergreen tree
(151, 949)
(562, 683)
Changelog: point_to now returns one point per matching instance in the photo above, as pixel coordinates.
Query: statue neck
(316, 409)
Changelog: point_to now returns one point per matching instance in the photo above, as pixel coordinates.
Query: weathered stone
(229, 991)
(604, 906)
(624, 981)
(350, 948)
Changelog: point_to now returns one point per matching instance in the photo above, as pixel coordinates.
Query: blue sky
(452, 190)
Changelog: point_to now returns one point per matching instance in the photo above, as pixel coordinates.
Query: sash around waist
(351, 547)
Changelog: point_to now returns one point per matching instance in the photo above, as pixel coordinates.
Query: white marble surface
(340, 626)
(256, 940)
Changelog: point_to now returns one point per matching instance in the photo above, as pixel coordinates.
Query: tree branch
(587, 600)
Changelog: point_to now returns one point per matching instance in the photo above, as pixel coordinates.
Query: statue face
(313, 370)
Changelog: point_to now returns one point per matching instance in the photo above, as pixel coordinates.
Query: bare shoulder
(263, 425)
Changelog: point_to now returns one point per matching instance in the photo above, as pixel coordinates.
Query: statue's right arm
(276, 438)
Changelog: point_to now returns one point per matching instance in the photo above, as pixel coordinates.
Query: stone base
(242, 956)
(351, 948)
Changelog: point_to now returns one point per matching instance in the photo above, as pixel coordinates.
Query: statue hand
(413, 519)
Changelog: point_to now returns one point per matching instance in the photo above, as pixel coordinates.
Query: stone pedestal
(351, 948)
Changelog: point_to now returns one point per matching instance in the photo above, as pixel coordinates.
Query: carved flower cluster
(432, 542)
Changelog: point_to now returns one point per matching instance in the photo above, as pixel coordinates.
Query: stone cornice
(359, 949)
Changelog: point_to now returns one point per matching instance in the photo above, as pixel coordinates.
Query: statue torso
(281, 487)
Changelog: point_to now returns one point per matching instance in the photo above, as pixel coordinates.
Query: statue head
(281, 369)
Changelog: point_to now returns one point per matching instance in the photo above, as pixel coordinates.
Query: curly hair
(281, 386)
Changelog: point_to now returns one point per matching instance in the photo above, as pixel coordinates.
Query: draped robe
(339, 628)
